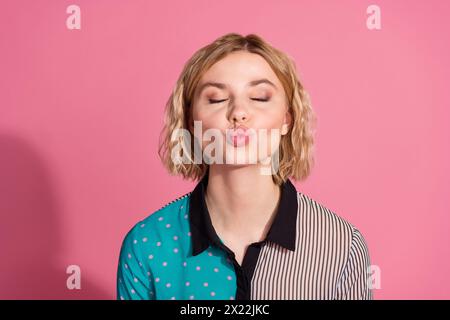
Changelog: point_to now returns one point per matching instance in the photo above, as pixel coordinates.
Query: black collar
(282, 231)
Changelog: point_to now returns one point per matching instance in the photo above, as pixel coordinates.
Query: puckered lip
(239, 130)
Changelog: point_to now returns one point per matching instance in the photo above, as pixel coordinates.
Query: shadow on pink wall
(30, 235)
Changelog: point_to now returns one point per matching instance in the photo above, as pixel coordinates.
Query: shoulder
(154, 225)
(326, 222)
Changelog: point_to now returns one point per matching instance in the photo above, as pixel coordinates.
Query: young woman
(240, 123)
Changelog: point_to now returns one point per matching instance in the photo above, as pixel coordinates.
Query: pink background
(81, 111)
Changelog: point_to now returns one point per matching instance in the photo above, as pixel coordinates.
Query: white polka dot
(148, 273)
(135, 280)
(197, 268)
(168, 225)
(213, 293)
(173, 298)
(188, 283)
(160, 218)
(157, 280)
(151, 292)
(191, 297)
(142, 225)
(184, 264)
(126, 266)
(175, 238)
(185, 216)
(164, 263)
(175, 250)
(205, 284)
(144, 239)
(229, 278)
(140, 264)
(158, 243)
(150, 256)
(134, 241)
(129, 256)
(168, 285)
(181, 207)
(216, 270)
(132, 291)
(231, 298)
(189, 233)
(121, 298)
(210, 254)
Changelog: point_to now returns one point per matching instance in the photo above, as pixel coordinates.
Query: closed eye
(216, 101)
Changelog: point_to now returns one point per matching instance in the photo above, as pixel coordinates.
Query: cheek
(209, 121)
(270, 120)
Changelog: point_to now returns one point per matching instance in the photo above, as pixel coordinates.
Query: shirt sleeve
(134, 279)
(354, 283)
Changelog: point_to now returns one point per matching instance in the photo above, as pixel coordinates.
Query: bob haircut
(296, 147)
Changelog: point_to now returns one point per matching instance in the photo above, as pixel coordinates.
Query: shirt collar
(282, 231)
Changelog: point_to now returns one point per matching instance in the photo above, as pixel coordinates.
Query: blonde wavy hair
(296, 147)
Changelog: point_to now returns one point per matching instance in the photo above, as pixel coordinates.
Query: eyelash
(218, 101)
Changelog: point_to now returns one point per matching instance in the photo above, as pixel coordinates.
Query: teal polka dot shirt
(156, 261)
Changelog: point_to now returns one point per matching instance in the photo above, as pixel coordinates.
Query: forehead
(239, 69)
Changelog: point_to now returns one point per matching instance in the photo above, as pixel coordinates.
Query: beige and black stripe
(330, 260)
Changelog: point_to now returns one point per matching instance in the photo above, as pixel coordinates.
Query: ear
(287, 122)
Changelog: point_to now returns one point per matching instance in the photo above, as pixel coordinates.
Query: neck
(241, 200)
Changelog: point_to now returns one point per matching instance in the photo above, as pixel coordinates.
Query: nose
(238, 114)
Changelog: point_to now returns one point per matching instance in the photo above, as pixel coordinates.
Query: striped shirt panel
(330, 260)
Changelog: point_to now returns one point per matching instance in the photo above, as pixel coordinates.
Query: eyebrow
(224, 86)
